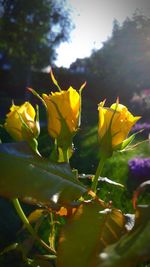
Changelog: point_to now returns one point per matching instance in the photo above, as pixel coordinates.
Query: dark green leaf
(87, 232)
(35, 179)
(133, 248)
(40, 263)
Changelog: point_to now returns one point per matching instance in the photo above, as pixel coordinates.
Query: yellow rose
(114, 125)
(20, 122)
(62, 107)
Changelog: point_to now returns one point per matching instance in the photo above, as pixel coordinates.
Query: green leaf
(34, 179)
(40, 262)
(88, 232)
(133, 248)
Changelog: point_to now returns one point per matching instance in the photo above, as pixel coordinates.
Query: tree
(121, 66)
(124, 61)
(30, 32)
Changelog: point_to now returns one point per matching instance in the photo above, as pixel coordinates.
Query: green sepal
(64, 140)
(33, 143)
(26, 130)
(80, 93)
(37, 119)
(64, 154)
(126, 142)
(54, 80)
(106, 149)
(28, 133)
(54, 155)
(38, 96)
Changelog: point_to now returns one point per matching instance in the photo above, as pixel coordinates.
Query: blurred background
(105, 43)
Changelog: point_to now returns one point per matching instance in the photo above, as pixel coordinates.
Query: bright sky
(93, 21)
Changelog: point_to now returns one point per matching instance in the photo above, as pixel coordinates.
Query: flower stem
(97, 174)
(29, 227)
(52, 233)
(65, 155)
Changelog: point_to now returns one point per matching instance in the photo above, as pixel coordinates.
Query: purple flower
(139, 167)
(139, 172)
(142, 126)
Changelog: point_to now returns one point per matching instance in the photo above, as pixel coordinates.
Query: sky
(93, 20)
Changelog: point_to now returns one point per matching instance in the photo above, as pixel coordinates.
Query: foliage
(58, 178)
(121, 66)
(30, 32)
(71, 224)
(124, 253)
(86, 143)
(29, 29)
(141, 101)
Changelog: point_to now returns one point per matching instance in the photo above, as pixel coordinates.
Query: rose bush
(83, 230)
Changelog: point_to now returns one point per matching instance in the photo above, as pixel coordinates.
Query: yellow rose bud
(62, 107)
(20, 122)
(114, 125)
